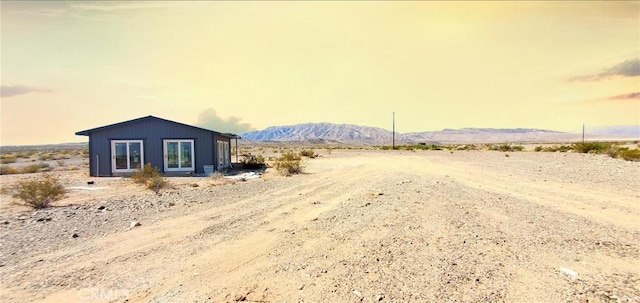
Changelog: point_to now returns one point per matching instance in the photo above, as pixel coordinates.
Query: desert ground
(357, 226)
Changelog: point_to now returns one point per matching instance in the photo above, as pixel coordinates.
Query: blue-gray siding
(152, 132)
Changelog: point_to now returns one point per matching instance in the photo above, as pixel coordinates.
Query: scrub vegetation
(39, 193)
(149, 176)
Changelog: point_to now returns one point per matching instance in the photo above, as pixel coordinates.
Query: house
(172, 147)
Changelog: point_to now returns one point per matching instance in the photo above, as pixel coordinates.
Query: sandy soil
(358, 226)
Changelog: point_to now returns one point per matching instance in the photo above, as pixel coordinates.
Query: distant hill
(337, 133)
(322, 133)
(619, 131)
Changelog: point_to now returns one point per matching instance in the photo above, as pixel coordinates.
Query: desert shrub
(556, 148)
(308, 153)
(7, 160)
(630, 154)
(45, 157)
(8, 170)
(538, 148)
(289, 163)
(252, 161)
(591, 147)
(471, 147)
(40, 193)
(149, 176)
(34, 168)
(506, 147)
(624, 153)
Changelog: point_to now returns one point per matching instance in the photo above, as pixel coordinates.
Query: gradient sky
(238, 66)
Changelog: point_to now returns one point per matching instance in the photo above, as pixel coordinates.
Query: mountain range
(327, 133)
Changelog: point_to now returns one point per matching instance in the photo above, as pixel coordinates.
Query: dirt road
(365, 226)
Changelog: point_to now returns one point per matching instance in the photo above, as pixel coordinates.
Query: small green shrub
(591, 147)
(252, 161)
(630, 154)
(40, 193)
(289, 163)
(624, 153)
(149, 176)
(538, 148)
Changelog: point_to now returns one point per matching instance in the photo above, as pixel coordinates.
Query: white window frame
(166, 157)
(113, 156)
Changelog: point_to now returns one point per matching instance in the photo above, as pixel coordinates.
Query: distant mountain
(338, 133)
(488, 135)
(327, 133)
(619, 131)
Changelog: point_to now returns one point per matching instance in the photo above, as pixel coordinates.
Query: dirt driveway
(359, 226)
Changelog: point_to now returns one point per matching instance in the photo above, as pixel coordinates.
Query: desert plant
(45, 157)
(506, 147)
(308, 153)
(4, 159)
(8, 170)
(40, 193)
(34, 168)
(289, 163)
(624, 153)
(538, 148)
(630, 154)
(591, 147)
(149, 176)
(252, 161)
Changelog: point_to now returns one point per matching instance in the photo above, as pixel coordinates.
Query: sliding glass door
(126, 155)
(178, 155)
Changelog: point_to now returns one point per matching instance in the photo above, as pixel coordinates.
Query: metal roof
(89, 131)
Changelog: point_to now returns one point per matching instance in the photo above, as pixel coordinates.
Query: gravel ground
(358, 226)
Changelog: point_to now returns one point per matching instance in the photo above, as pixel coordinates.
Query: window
(179, 155)
(126, 155)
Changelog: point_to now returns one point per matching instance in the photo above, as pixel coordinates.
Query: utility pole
(393, 134)
(582, 133)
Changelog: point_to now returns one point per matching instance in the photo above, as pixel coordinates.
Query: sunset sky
(239, 66)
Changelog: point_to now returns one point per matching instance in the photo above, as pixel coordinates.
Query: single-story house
(172, 147)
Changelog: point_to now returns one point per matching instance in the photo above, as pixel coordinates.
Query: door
(224, 158)
(178, 155)
(126, 155)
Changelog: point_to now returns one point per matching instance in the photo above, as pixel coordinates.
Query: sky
(245, 65)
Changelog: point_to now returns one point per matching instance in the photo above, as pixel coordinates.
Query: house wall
(151, 132)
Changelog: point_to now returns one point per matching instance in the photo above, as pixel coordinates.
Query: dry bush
(252, 161)
(40, 193)
(308, 153)
(34, 168)
(289, 163)
(149, 176)
(8, 170)
(7, 159)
